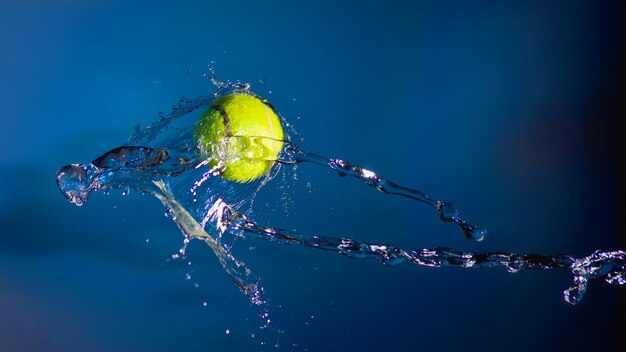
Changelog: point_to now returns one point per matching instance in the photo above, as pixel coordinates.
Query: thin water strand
(77, 181)
(243, 277)
(446, 212)
(610, 266)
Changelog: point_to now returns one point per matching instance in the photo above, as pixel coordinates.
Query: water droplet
(476, 233)
(447, 212)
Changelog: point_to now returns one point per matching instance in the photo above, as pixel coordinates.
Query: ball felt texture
(241, 135)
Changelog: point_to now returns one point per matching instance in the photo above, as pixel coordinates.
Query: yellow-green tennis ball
(242, 136)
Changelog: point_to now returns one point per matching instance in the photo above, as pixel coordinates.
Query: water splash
(164, 161)
(168, 165)
(611, 266)
(445, 211)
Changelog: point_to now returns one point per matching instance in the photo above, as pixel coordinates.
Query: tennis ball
(242, 135)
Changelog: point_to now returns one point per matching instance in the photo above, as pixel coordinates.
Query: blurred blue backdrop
(508, 110)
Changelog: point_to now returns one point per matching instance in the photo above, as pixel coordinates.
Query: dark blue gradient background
(508, 110)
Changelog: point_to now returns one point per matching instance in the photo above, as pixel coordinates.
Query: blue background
(508, 110)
